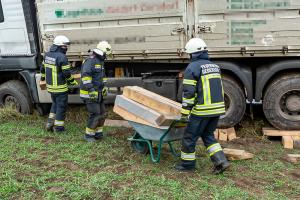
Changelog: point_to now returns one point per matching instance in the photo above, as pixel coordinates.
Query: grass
(35, 164)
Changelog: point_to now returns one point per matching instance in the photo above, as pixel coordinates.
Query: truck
(255, 42)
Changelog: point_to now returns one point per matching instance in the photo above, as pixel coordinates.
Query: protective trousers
(58, 109)
(96, 117)
(203, 127)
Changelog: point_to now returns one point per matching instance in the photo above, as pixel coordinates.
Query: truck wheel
(235, 102)
(43, 108)
(15, 93)
(281, 102)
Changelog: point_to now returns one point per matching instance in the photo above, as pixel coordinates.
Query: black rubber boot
(50, 125)
(89, 138)
(186, 166)
(98, 136)
(59, 129)
(220, 162)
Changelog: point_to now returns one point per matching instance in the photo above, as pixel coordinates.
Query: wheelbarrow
(144, 136)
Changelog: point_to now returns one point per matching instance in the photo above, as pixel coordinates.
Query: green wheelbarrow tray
(144, 135)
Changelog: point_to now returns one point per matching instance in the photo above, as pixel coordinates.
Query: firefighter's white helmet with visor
(61, 40)
(195, 45)
(105, 47)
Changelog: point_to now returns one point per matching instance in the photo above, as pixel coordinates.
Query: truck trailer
(255, 42)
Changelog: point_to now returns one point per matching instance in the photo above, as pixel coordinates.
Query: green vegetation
(35, 164)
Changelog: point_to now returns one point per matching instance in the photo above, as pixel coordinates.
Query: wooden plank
(274, 132)
(293, 158)
(117, 123)
(296, 142)
(131, 117)
(162, 98)
(231, 134)
(287, 142)
(43, 83)
(216, 133)
(223, 136)
(143, 112)
(237, 154)
(153, 101)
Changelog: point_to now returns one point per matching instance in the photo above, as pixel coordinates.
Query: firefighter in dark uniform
(93, 89)
(57, 73)
(202, 104)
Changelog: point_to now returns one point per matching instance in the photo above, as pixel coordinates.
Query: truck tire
(15, 93)
(43, 108)
(235, 102)
(281, 102)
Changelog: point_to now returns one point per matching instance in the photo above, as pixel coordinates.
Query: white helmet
(98, 52)
(104, 47)
(61, 40)
(195, 45)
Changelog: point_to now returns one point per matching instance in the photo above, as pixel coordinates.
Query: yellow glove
(104, 91)
(93, 95)
(73, 83)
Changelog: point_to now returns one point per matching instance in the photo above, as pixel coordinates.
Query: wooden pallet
(225, 134)
(290, 139)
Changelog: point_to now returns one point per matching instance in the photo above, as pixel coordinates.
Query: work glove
(104, 91)
(73, 83)
(93, 95)
(184, 118)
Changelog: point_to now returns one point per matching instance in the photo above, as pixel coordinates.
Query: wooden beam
(154, 101)
(293, 158)
(237, 154)
(43, 83)
(231, 134)
(296, 142)
(117, 123)
(131, 117)
(287, 142)
(274, 132)
(223, 136)
(216, 133)
(143, 112)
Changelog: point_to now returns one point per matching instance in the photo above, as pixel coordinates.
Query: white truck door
(137, 29)
(13, 31)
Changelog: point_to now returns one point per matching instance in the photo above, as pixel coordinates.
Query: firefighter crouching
(202, 104)
(57, 73)
(93, 89)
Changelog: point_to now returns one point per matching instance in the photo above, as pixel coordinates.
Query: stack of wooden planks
(145, 107)
(290, 139)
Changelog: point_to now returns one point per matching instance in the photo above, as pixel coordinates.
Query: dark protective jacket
(92, 76)
(56, 70)
(203, 93)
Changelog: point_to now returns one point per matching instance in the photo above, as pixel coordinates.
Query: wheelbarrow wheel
(140, 147)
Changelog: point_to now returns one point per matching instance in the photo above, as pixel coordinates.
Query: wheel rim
(11, 101)
(290, 105)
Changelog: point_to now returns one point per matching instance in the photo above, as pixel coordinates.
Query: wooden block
(154, 101)
(296, 142)
(275, 132)
(223, 136)
(231, 134)
(237, 154)
(287, 142)
(293, 158)
(43, 83)
(137, 109)
(216, 133)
